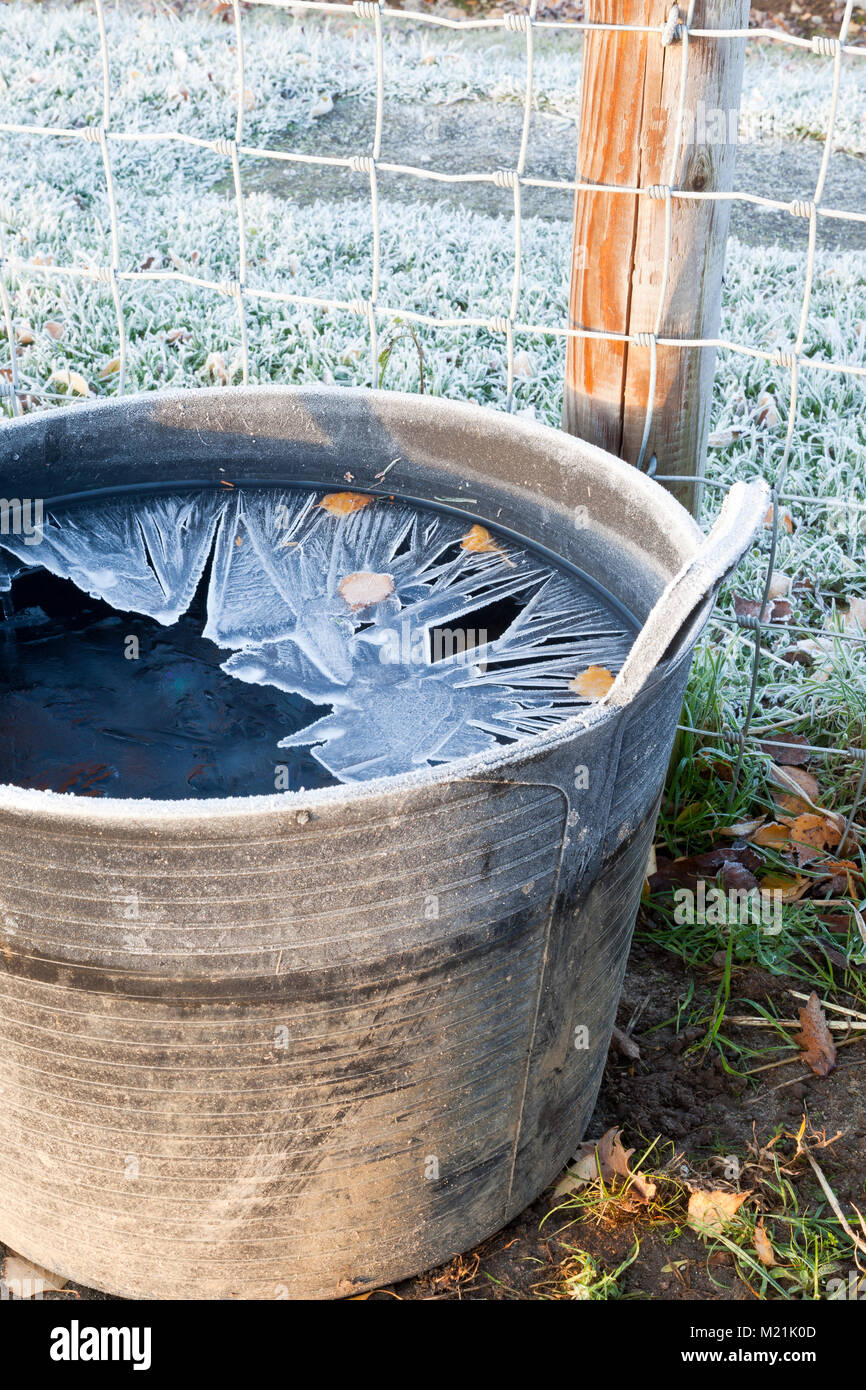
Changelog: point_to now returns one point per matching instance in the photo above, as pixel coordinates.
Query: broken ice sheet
(141, 555)
(401, 708)
(281, 558)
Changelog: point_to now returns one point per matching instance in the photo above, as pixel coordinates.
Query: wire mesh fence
(376, 311)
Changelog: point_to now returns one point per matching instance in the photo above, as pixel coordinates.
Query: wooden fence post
(629, 135)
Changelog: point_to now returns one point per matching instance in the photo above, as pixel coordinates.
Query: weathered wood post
(630, 136)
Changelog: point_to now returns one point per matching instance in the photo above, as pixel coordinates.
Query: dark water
(79, 715)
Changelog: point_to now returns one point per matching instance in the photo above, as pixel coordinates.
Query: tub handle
(736, 526)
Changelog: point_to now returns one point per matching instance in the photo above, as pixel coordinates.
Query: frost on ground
(361, 604)
(171, 75)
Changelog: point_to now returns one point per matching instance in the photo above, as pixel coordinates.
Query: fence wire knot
(506, 178)
(800, 207)
(104, 274)
(366, 9)
(498, 325)
(92, 134)
(362, 163)
(672, 29)
(750, 621)
(364, 307)
(517, 23)
(644, 339)
(783, 359)
(226, 147)
(825, 47)
(232, 289)
(658, 191)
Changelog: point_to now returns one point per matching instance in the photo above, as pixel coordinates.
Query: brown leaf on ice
(365, 588)
(54, 329)
(25, 336)
(592, 683)
(713, 1211)
(815, 1038)
(345, 503)
(110, 368)
(479, 541)
(811, 834)
(764, 1246)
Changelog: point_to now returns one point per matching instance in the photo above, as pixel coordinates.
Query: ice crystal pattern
(274, 600)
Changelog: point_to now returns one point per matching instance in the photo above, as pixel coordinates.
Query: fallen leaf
(592, 683)
(110, 368)
(523, 364)
(789, 751)
(736, 865)
(780, 584)
(854, 616)
(479, 541)
(54, 329)
(25, 337)
(26, 1280)
(721, 439)
(815, 1038)
(624, 1045)
(766, 411)
(73, 381)
(763, 1246)
(713, 1211)
(365, 588)
(215, 367)
(811, 834)
(345, 503)
(742, 829)
(790, 887)
(800, 790)
(178, 335)
(323, 106)
(609, 1161)
(786, 521)
(775, 835)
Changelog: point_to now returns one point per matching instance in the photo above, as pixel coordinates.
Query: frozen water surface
(389, 636)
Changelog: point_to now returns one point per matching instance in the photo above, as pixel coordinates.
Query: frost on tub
(415, 635)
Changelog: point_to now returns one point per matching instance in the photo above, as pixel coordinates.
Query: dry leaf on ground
(811, 834)
(764, 1246)
(608, 1160)
(73, 381)
(790, 750)
(712, 1211)
(815, 1038)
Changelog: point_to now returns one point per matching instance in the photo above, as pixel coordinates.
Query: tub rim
(507, 759)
